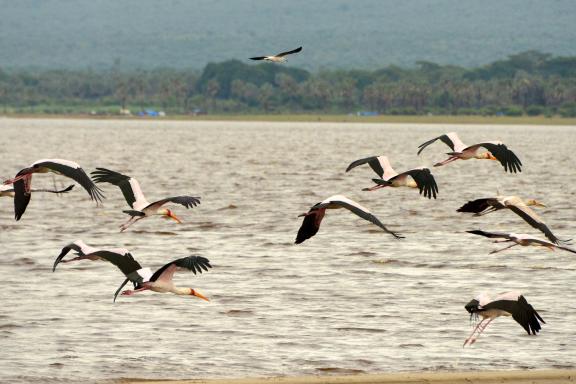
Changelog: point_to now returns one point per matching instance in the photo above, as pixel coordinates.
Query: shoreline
(474, 377)
(312, 118)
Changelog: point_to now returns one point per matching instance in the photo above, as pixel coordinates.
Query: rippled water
(351, 299)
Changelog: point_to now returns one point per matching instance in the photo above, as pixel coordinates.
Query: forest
(528, 83)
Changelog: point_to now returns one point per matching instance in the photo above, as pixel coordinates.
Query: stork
(507, 304)
(519, 239)
(313, 218)
(514, 203)
(495, 150)
(420, 178)
(141, 208)
(23, 181)
(278, 58)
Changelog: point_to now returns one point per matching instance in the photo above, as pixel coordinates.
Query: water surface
(351, 299)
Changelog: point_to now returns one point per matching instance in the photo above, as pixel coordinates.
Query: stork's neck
(181, 291)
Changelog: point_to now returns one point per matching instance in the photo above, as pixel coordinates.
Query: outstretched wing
(424, 180)
(451, 139)
(191, 263)
(533, 219)
(506, 157)
(21, 197)
(78, 246)
(380, 165)
(521, 311)
(75, 172)
(289, 52)
(258, 58)
(187, 201)
(125, 262)
(128, 185)
(477, 206)
(492, 235)
(359, 210)
(310, 224)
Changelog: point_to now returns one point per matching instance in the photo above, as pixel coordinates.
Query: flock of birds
(508, 304)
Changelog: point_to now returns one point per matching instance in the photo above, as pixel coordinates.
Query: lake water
(351, 299)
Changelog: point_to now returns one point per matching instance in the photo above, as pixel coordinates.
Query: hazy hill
(335, 33)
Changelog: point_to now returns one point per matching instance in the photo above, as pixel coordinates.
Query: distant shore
(382, 119)
(492, 377)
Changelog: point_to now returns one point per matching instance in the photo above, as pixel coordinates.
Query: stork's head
(168, 214)
(535, 203)
(473, 306)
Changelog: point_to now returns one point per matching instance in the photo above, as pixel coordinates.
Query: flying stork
(507, 304)
(519, 239)
(313, 218)
(420, 178)
(141, 208)
(142, 278)
(520, 207)
(23, 181)
(278, 58)
(496, 150)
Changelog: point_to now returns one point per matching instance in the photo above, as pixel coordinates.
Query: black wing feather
(21, 199)
(258, 58)
(476, 206)
(186, 201)
(492, 235)
(192, 263)
(521, 311)
(372, 162)
(103, 175)
(542, 227)
(507, 158)
(308, 228)
(76, 174)
(424, 180)
(125, 262)
(367, 216)
(64, 252)
(444, 138)
(289, 52)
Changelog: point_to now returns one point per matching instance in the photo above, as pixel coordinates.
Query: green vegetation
(530, 83)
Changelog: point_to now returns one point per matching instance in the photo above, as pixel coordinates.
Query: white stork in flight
(313, 218)
(23, 181)
(519, 239)
(141, 208)
(495, 151)
(420, 178)
(142, 278)
(279, 58)
(507, 304)
(520, 207)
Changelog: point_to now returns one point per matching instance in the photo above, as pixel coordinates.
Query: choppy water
(351, 299)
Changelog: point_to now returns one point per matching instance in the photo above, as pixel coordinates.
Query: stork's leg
(130, 292)
(132, 220)
(473, 332)
(503, 249)
(448, 160)
(480, 330)
(374, 187)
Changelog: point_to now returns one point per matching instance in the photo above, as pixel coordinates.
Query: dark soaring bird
(519, 239)
(141, 208)
(515, 204)
(507, 304)
(420, 178)
(279, 58)
(495, 151)
(23, 181)
(313, 218)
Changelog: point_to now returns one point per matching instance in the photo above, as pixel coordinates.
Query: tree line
(530, 83)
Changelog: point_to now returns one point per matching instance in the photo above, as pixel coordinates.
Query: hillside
(365, 34)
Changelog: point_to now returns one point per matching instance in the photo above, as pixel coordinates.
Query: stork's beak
(174, 217)
(198, 294)
(539, 204)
